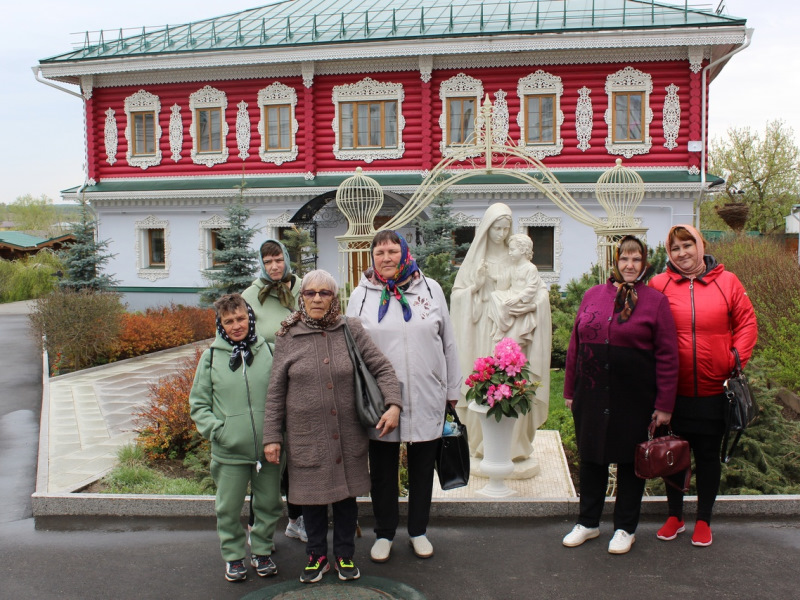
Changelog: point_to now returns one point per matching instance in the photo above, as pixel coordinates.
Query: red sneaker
(702, 534)
(671, 529)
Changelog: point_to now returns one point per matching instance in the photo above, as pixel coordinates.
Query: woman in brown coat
(311, 390)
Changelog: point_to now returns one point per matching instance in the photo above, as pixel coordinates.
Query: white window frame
(629, 80)
(541, 83)
(205, 98)
(142, 249)
(366, 90)
(142, 102)
(459, 86)
(206, 248)
(272, 95)
(540, 219)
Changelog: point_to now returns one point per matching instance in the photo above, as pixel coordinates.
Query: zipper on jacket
(252, 419)
(694, 335)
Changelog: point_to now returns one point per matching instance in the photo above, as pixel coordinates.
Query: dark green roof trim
(319, 22)
(158, 290)
(334, 181)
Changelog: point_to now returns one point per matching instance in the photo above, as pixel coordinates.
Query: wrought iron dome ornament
(359, 198)
(620, 191)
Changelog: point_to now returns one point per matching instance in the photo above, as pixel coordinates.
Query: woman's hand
(272, 452)
(389, 420)
(661, 417)
(568, 403)
(480, 275)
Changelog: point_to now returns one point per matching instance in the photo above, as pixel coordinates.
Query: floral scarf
(406, 268)
(241, 350)
(283, 285)
(627, 296)
(328, 319)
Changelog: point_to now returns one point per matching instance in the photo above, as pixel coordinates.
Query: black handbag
(370, 404)
(663, 456)
(452, 460)
(741, 410)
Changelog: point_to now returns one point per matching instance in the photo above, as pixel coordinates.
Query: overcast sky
(41, 128)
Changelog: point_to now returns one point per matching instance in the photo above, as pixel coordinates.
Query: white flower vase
(496, 463)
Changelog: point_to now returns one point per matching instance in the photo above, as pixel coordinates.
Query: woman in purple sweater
(621, 373)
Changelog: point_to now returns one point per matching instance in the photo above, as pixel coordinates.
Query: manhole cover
(365, 588)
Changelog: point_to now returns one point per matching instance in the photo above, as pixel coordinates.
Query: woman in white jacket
(407, 318)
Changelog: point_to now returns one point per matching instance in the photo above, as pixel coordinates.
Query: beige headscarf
(700, 264)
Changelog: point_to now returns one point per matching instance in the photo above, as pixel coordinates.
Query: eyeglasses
(322, 293)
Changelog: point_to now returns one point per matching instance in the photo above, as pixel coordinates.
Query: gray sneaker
(263, 565)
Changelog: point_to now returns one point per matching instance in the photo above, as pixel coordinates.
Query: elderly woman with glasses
(311, 391)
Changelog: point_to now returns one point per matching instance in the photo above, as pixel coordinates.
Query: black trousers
(628, 505)
(383, 471)
(345, 518)
(708, 470)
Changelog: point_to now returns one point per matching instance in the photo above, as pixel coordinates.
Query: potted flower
(500, 386)
(502, 381)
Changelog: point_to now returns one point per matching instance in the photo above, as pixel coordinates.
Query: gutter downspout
(748, 32)
(37, 74)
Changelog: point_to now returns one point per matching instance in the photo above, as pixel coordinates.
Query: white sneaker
(422, 547)
(580, 534)
(381, 550)
(621, 542)
(297, 530)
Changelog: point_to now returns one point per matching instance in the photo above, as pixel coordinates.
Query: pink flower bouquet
(502, 381)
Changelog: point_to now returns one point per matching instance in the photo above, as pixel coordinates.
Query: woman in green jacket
(227, 404)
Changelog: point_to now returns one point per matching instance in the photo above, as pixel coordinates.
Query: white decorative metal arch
(619, 191)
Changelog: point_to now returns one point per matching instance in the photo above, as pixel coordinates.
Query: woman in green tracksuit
(227, 404)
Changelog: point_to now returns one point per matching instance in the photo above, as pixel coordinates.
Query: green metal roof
(20, 240)
(313, 22)
(333, 181)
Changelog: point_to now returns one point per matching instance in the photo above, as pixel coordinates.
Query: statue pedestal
(523, 469)
(496, 463)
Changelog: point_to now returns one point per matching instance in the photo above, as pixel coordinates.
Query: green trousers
(232, 483)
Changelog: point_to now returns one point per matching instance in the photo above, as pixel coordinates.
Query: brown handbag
(663, 456)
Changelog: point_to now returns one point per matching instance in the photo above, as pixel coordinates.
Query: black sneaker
(235, 570)
(347, 569)
(316, 568)
(263, 565)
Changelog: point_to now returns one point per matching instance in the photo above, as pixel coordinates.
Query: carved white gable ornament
(277, 94)
(142, 101)
(672, 117)
(459, 86)
(629, 80)
(369, 89)
(110, 137)
(209, 97)
(542, 83)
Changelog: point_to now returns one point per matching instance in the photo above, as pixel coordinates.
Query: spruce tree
(239, 261)
(302, 249)
(85, 258)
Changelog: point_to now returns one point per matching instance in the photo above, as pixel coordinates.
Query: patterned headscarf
(282, 286)
(627, 296)
(700, 264)
(391, 287)
(328, 319)
(241, 350)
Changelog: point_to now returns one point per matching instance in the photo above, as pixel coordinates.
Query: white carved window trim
(542, 220)
(110, 136)
(541, 83)
(459, 86)
(205, 249)
(272, 95)
(279, 222)
(369, 89)
(141, 249)
(143, 102)
(629, 80)
(175, 132)
(671, 121)
(205, 98)
(584, 119)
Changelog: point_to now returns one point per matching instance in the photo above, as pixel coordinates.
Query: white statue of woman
(488, 268)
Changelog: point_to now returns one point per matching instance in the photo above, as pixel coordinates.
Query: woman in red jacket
(713, 315)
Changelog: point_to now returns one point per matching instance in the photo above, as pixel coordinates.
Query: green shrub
(81, 326)
(560, 417)
(30, 277)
